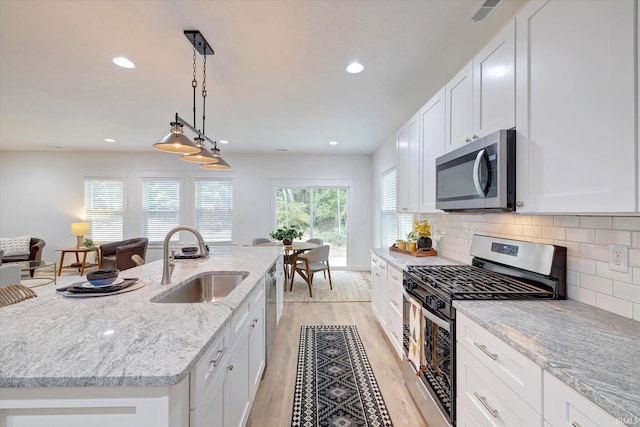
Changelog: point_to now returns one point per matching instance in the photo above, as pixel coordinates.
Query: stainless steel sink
(205, 287)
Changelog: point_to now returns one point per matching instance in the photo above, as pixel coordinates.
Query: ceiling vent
(484, 10)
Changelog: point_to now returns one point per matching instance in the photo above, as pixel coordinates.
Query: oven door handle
(426, 313)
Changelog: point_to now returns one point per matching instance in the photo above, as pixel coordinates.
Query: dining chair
(309, 263)
(260, 240)
(318, 242)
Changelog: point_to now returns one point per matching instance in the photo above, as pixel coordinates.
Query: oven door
(429, 379)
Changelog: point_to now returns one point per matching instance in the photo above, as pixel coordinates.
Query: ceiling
(277, 80)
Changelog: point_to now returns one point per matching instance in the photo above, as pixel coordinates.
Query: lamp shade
(176, 142)
(203, 156)
(220, 164)
(80, 228)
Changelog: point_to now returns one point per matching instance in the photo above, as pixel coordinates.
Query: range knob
(436, 303)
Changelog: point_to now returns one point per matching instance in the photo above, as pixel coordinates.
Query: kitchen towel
(415, 333)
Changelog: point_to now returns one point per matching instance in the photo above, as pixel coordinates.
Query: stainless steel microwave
(479, 176)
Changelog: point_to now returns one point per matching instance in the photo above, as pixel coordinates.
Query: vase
(412, 246)
(401, 245)
(424, 242)
(286, 242)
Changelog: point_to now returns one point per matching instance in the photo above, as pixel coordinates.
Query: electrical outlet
(619, 258)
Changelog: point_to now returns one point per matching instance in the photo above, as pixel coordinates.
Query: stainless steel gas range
(501, 269)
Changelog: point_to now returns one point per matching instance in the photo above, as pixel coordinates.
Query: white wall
(42, 193)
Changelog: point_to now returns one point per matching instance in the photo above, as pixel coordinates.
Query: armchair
(118, 254)
(35, 253)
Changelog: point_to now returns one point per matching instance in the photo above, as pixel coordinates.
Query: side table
(80, 265)
(32, 266)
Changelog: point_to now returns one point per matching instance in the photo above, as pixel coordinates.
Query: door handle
(476, 173)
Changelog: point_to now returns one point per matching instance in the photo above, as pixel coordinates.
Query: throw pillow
(15, 246)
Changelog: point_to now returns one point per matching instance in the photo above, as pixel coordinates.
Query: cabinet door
(432, 142)
(408, 166)
(459, 116)
(236, 387)
(575, 106)
(210, 411)
(494, 84)
(379, 288)
(257, 348)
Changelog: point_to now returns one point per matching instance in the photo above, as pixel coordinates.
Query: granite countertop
(401, 261)
(592, 350)
(121, 340)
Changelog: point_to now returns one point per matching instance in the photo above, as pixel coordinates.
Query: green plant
(286, 233)
(88, 243)
(412, 235)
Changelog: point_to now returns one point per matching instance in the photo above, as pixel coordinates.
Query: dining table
(290, 251)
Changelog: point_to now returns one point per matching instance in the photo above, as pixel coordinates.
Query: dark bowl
(102, 277)
(190, 250)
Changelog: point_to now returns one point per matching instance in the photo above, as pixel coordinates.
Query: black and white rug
(335, 385)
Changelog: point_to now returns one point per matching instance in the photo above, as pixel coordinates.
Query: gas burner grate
(470, 282)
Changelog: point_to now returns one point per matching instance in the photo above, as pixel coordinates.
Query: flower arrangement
(286, 234)
(422, 228)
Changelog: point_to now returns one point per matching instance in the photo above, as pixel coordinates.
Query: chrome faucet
(168, 262)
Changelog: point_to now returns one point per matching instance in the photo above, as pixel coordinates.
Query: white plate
(89, 285)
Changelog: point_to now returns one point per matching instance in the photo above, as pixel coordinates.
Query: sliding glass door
(318, 213)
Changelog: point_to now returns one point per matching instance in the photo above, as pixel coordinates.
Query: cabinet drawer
(394, 330)
(379, 263)
(210, 364)
(394, 275)
(564, 406)
(486, 399)
(395, 298)
(518, 372)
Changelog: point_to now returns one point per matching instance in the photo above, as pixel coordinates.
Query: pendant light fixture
(176, 141)
(219, 163)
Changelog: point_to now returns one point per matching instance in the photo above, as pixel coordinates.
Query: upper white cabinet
(459, 115)
(576, 112)
(432, 123)
(408, 167)
(480, 99)
(494, 84)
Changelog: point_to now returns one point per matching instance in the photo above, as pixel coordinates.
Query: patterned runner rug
(335, 385)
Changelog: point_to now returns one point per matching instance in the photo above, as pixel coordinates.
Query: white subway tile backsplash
(615, 305)
(566, 221)
(597, 252)
(602, 270)
(626, 291)
(631, 223)
(587, 239)
(580, 294)
(604, 222)
(610, 237)
(597, 284)
(582, 235)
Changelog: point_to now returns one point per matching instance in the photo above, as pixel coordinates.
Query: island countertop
(125, 339)
(593, 351)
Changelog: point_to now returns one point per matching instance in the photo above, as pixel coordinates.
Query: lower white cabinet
(257, 343)
(563, 406)
(379, 288)
(394, 308)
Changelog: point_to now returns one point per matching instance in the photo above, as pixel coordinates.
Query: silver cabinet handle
(483, 347)
(467, 140)
(484, 402)
(519, 204)
(575, 424)
(214, 362)
(230, 367)
(476, 173)
(475, 137)
(253, 324)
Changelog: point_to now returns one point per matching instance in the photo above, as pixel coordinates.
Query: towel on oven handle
(415, 333)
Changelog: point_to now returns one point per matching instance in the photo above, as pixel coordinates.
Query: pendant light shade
(176, 142)
(220, 164)
(203, 156)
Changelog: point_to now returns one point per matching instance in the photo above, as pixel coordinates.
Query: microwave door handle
(476, 173)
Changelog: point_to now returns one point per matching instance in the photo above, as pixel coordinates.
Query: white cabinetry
(575, 111)
(563, 406)
(394, 308)
(459, 116)
(257, 343)
(379, 289)
(481, 97)
(408, 166)
(432, 124)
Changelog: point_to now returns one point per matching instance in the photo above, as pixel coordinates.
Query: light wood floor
(273, 404)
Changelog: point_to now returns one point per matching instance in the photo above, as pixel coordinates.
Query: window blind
(214, 209)
(103, 208)
(160, 208)
(389, 217)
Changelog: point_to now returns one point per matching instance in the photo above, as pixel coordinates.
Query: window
(214, 209)
(160, 208)
(103, 207)
(394, 226)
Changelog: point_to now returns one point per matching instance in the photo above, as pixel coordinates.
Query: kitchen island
(119, 358)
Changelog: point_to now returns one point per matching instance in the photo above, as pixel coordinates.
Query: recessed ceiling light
(123, 62)
(333, 142)
(354, 68)
(223, 141)
(109, 140)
